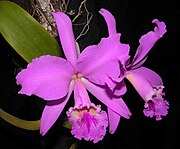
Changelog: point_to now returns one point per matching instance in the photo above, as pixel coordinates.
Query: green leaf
(20, 123)
(25, 34)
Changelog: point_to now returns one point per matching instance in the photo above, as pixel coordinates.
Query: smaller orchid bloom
(96, 69)
(147, 82)
(151, 92)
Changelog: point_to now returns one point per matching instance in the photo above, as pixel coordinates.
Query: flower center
(77, 76)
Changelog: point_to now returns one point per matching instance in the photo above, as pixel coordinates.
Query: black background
(133, 20)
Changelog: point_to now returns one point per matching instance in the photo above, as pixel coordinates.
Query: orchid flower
(147, 82)
(95, 69)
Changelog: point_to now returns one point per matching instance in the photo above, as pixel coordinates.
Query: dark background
(133, 20)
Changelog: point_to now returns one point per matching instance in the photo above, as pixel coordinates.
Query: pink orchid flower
(95, 69)
(147, 82)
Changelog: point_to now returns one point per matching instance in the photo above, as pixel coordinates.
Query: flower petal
(98, 63)
(114, 120)
(66, 35)
(149, 75)
(47, 77)
(80, 95)
(52, 111)
(120, 89)
(117, 105)
(156, 107)
(148, 40)
(142, 86)
(129, 66)
(110, 21)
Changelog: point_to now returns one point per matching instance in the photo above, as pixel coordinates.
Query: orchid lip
(88, 122)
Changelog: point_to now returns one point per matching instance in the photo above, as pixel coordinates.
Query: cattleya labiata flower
(96, 69)
(147, 82)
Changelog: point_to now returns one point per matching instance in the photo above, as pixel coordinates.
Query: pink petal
(130, 66)
(114, 120)
(120, 89)
(52, 111)
(80, 95)
(99, 63)
(117, 105)
(110, 21)
(160, 29)
(156, 107)
(47, 77)
(142, 86)
(66, 35)
(148, 40)
(149, 75)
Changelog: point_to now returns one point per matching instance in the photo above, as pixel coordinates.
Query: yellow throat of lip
(76, 113)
